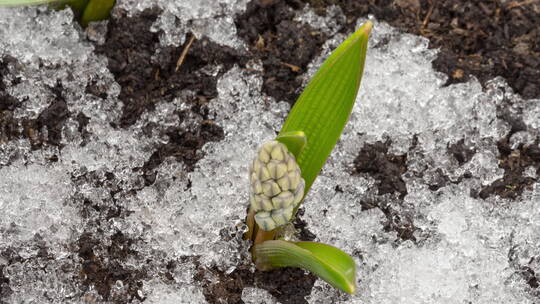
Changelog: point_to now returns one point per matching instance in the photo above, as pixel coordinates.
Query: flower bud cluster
(277, 186)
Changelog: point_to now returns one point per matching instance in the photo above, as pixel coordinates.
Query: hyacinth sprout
(285, 168)
(277, 186)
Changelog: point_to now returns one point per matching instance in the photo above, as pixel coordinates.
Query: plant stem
(262, 236)
(255, 233)
(250, 222)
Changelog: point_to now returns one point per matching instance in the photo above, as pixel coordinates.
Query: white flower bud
(277, 186)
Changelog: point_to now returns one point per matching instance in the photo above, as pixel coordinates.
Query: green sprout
(85, 11)
(285, 168)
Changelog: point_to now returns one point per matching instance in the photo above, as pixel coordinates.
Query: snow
(211, 18)
(252, 295)
(466, 250)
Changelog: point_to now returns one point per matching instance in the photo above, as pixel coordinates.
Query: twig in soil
(184, 53)
(293, 67)
(428, 15)
(515, 4)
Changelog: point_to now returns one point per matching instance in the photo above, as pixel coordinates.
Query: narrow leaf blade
(327, 262)
(323, 109)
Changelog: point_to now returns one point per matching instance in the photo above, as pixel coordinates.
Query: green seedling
(285, 168)
(85, 11)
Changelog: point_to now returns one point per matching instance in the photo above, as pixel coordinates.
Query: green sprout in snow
(85, 11)
(285, 168)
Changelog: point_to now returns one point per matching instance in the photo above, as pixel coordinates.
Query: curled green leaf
(294, 141)
(327, 262)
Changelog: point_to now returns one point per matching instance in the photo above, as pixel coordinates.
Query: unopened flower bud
(276, 185)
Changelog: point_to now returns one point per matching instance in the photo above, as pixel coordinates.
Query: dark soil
(7, 102)
(284, 46)
(300, 225)
(525, 270)
(5, 290)
(129, 48)
(103, 257)
(8, 126)
(103, 265)
(287, 285)
(461, 152)
(514, 162)
(386, 169)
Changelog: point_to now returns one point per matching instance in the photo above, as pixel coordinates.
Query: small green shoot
(309, 134)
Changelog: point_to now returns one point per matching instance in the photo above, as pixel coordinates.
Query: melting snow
(466, 249)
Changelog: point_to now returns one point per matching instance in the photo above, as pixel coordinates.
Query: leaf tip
(367, 27)
(350, 288)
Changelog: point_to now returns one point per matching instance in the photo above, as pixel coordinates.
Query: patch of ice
(161, 293)
(25, 33)
(329, 24)
(42, 280)
(210, 18)
(35, 202)
(253, 295)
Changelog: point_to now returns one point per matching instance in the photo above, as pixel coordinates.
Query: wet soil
(514, 162)
(384, 167)
(287, 285)
(5, 290)
(103, 265)
(7, 102)
(387, 169)
(284, 46)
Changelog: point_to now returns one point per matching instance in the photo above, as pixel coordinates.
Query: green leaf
(294, 141)
(328, 263)
(97, 10)
(325, 105)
